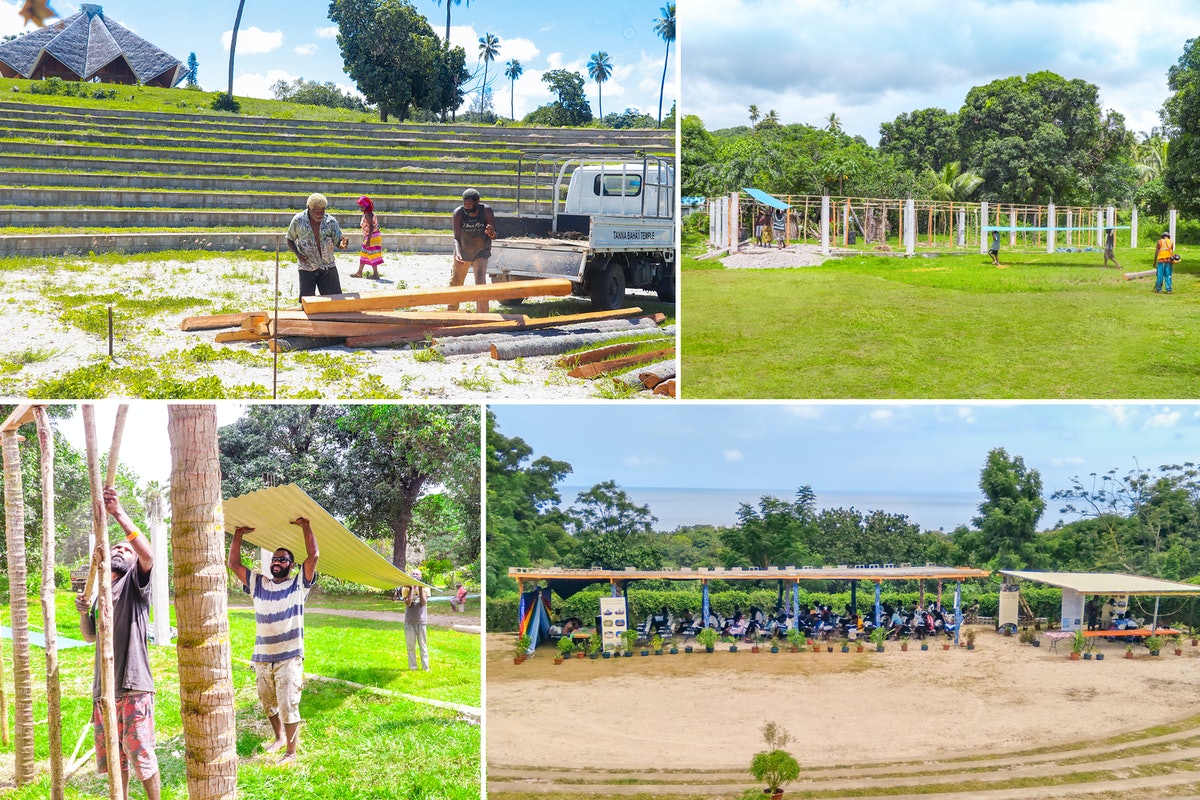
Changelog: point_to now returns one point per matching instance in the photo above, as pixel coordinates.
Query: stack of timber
(388, 318)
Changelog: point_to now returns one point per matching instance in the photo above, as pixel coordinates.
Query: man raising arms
(279, 632)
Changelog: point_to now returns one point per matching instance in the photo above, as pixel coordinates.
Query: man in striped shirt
(279, 632)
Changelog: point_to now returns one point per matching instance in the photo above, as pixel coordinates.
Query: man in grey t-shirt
(132, 561)
(416, 613)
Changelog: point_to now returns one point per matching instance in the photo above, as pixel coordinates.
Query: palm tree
(489, 48)
(599, 70)
(1150, 157)
(49, 622)
(664, 26)
(951, 183)
(512, 71)
(754, 115)
(153, 497)
(771, 119)
(833, 124)
(457, 3)
(25, 764)
(205, 669)
(237, 22)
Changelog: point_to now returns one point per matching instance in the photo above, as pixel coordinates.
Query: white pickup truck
(604, 222)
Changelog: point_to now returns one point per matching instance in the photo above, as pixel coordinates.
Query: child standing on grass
(371, 254)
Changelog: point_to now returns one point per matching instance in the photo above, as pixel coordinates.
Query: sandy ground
(700, 711)
(32, 322)
(753, 256)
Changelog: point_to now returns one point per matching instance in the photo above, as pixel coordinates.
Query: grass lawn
(1046, 326)
(353, 743)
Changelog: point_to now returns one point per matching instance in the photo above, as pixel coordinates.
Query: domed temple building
(87, 46)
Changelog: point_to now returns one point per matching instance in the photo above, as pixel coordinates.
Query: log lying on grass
(473, 345)
(614, 364)
(512, 323)
(1146, 273)
(666, 388)
(407, 298)
(650, 376)
(554, 343)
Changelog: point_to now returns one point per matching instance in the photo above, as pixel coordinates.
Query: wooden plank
(395, 317)
(237, 336)
(599, 354)
(213, 321)
(666, 388)
(406, 298)
(614, 364)
(19, 416)
(340, 330)
(385, 339)
(294, 343)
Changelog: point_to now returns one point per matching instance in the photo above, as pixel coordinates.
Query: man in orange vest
(1164, 257)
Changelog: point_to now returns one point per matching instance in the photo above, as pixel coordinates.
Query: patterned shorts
(135, 733)
(279, 686)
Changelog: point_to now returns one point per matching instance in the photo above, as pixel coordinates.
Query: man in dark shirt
(474, 229)
(132, 561)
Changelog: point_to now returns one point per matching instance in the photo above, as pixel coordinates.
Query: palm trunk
(237, 22)
(600, 95)
(512, 100)
(49, 621)
(102, 563)
(14, 519)
(205, 670)
(662, 86)
(483, 90)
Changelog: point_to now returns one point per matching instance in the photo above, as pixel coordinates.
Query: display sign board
(613, 622)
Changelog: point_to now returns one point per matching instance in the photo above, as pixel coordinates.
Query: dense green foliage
(379, 467)
(316, 94)
(395, 58)
(570, 109)
(1181, 114)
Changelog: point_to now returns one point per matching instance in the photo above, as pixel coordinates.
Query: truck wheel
(608, 288)
(666, 288)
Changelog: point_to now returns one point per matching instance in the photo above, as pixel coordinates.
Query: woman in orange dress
(371, 254)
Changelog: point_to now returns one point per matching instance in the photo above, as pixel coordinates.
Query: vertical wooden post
(104, 616)
(14, 518)
(49, 622)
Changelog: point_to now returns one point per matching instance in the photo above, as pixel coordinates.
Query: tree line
(1033, 139)
(1145, 522)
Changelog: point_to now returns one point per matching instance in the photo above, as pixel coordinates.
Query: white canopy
(270, 512)
(1105, 582)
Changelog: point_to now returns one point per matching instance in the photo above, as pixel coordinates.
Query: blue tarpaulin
(766, 199)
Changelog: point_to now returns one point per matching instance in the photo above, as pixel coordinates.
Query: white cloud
(1164, 419)
(304, 49)
(1067, 461)
(966, 414)
(732, 455)
(327, 33)
(256, 85)
(881, 415)
(254, 40)
(803, 411)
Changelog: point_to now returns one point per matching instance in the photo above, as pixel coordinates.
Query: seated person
(565, 627)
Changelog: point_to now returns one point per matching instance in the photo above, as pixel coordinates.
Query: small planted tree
(708, 638)
(774, 766)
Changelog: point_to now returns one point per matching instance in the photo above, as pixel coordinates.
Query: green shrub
(226, 102)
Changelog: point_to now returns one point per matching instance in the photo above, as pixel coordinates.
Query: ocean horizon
(677, 508)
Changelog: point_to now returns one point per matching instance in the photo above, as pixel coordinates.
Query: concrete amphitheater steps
(1173, 768)
(183, 180)
(558, 137)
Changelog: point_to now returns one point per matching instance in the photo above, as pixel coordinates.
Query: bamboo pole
(49, 622)
(14, 518)
(104, 616)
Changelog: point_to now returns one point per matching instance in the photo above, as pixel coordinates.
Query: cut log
(401, 317)
(473, 345)
(614, 364)
(293, 343)
(340, 330)
(599, 354)
(666, 388)
(237, 336)
(1143, 274)
(530, 346)
(407, 298)
(654, 375)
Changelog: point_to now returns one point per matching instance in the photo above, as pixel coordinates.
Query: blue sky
(858, 448)
(870, 60)
(283, 41)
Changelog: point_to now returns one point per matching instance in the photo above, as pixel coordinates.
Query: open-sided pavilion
(1076, 586)
(567, 582)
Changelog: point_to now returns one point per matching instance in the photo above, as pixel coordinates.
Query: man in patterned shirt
(279, 632)
(313, 236)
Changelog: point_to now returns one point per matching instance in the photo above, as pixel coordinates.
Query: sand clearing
(700, 711)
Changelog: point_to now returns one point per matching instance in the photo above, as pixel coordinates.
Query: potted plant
(732, 642)
(1177, 643)
(1154, 644)
(753, 639)
(1094, 646)
(674, 648)
(971, 634)
(877, 636)
(1129, 651)
(946, 645)
(522, 649)
(845, 645)
(774, 766)
(1194, 633)
(795, 636)
(565, 648)
(774, 645)
(904, 644)
(657, 645)
(924, 645)
(630, 638)
(1078, 642)
(708, 638)
(595, 647)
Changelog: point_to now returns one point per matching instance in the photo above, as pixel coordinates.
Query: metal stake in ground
(110, 333)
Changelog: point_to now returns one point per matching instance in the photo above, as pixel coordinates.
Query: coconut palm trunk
(201, 611)
(49, 622)
(237, 22)
(14, 525)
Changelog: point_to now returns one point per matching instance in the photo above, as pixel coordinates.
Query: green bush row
(502, 611)
(71, 89)
(62, 580)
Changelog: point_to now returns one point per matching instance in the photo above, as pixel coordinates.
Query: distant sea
(681, 507)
